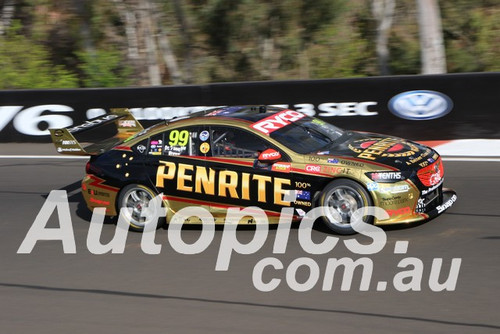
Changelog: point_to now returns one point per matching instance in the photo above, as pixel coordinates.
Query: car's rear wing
(66, 143)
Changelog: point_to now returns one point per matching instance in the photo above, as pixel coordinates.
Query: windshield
(307, 135)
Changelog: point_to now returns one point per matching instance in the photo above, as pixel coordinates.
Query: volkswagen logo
(420, 105)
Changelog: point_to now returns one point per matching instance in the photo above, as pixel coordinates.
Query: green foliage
(25, 64)
(405, 55)
(86, 43)
(315, 14)
(339, 52)
(472, 36)
(103, 69)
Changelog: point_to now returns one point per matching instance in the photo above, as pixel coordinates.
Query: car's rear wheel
(137, 198)
(342, 198)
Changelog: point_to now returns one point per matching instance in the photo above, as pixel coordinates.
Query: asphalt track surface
(48, 291)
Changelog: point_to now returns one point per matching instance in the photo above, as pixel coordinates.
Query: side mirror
(269, 155)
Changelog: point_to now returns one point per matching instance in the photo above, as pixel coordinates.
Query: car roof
(246, 113)
(221, 116)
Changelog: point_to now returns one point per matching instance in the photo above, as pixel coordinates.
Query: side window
(184, 141)
(236, 143)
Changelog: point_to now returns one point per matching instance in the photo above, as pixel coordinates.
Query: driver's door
(241, 179)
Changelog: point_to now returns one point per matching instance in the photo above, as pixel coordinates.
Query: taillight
(87, 167)
(432, 174)
(92, 169)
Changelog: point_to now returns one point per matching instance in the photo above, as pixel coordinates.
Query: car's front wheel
(341, 198)
(138, 200)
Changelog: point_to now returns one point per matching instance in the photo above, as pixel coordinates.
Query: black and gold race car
(253, 156)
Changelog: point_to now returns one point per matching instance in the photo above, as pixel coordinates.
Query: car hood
(382, 149)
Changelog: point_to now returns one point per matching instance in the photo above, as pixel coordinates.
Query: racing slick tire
(343, 196)
(137, 198)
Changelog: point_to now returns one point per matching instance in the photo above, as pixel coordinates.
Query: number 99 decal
(178, 138)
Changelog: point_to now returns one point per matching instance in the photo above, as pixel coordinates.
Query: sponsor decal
(277, 121)
(400, 188)
(385, 176)
(303, 194)
(204, 148)
(352, 163)
(315, 169)
(141, 148)
(270, 154)
(175, 150)
(204, 135)
(98, 201)
(423, 164)
(68, 142)
(90, 124)
(435, 178)
(373, 148)
(127, 123)
(431, 189)
(398, 200)
(447, 205)
(68, 149)
(155, 147)
(224, 183)
(283, 167)
(420, 157)
(335, 170)
(420, 205)
(303, 203)
(302, 185)
(400, 212)
(332, 161)
(420, 105)
(382, 188)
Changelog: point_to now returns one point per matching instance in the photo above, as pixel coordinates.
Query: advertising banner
(431, 107)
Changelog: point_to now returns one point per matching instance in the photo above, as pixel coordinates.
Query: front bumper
(449, 198)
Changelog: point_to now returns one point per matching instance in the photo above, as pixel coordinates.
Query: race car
(241, 156)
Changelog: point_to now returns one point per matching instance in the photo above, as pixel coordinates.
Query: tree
(103, 68)
(431, 37)
(383, 11)
(24, 64)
